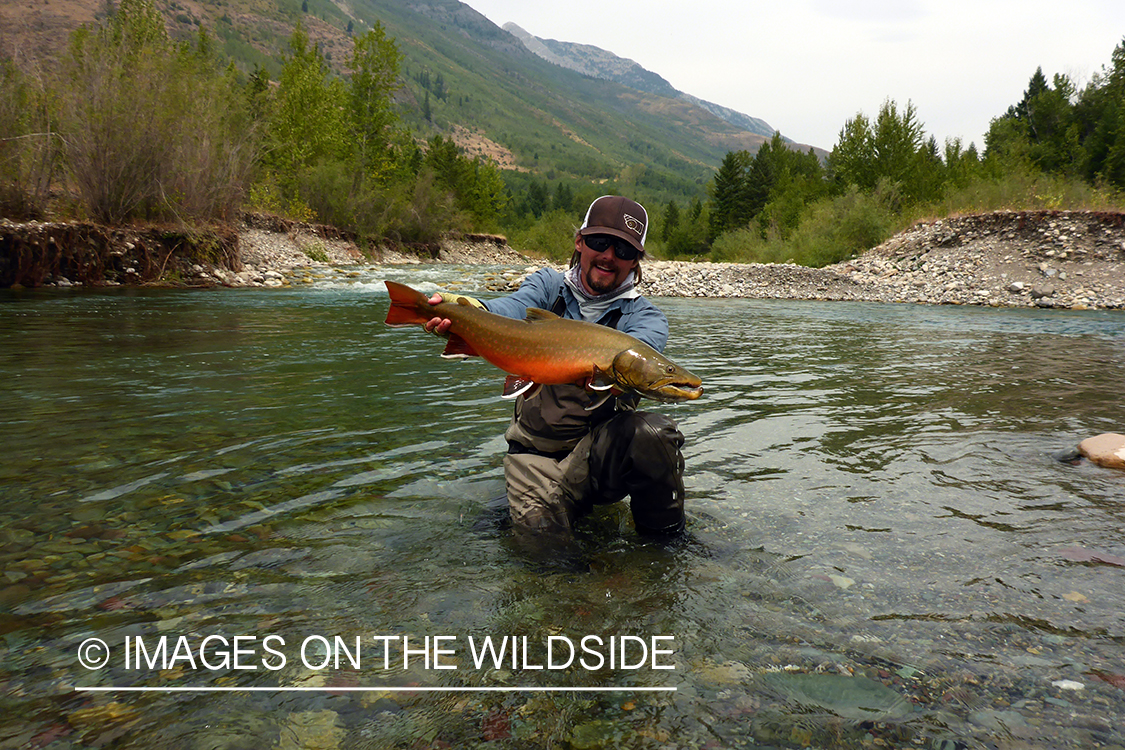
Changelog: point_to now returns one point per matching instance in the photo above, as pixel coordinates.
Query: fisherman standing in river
(566, 451)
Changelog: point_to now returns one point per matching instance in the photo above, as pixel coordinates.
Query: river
(259, 518)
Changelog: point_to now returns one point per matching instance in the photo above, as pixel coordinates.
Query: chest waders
(564, 459)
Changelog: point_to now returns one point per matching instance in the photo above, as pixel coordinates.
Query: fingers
(440, 326)
(436, 299)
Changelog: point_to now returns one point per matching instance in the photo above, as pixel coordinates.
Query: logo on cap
(636, 225)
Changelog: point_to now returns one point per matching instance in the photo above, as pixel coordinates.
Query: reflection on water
(882, 552)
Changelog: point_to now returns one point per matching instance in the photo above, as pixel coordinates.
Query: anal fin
(516, 386)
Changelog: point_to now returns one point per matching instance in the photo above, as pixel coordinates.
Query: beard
(599, 281)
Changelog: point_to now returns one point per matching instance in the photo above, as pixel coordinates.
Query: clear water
(882, 551)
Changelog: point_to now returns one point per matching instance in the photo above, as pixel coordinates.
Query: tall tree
(310, 122)
(730, 207)
(892, 148)
(671, 220)
(1100, 116)
(1043, 129)
(374, 61)
(851, 161)
(782, 182)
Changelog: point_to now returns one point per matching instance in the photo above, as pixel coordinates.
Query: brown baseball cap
(619, 217)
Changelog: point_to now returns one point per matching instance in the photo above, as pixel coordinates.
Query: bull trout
(544, 349)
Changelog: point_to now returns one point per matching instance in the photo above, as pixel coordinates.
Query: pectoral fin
(516, 386)
(601, 381)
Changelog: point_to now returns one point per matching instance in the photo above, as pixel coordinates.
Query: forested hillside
(402, 122)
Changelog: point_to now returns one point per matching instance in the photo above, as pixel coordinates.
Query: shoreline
(1043, 259)
(1046, 259)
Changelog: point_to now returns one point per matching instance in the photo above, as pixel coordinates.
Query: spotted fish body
(544, 349)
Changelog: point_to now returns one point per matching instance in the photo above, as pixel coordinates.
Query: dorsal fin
(534, 313)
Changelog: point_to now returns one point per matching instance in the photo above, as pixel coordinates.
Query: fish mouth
(676, 392)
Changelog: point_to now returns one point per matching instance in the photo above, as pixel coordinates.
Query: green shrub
(29, 146)
(1022, 189)
(152, 129)
(317, 252)
(839, 228)
(745, 245)
(551, 236)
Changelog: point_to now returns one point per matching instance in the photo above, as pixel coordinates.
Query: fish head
(652, 375)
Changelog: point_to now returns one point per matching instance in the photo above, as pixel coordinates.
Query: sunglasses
(599, 243)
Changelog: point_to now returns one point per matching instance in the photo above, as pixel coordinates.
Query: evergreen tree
(564, 198)
(475, 184)
(961, 164)
(1099, 114)
(851, 161)
(898, 148)
(689, 238)
(671, 220)
(538, 199)
(782, 183)
(730, 207)
(893, 149)
(1043, 129)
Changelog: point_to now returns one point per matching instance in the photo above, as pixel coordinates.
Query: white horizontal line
(548, 689)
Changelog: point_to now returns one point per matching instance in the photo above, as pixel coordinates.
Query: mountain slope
(599, 63)
(476, 82)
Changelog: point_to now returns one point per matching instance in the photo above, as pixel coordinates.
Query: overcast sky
(807, 66)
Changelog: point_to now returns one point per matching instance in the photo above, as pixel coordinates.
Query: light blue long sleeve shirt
(639, 317)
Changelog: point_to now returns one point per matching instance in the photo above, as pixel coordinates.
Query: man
(567, 452)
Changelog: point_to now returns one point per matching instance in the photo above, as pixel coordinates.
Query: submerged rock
(311, 730)
(847, 697)
(1107, 450)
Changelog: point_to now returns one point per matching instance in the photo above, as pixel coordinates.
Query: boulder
(1105, 450)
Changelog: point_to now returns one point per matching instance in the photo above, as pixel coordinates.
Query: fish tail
(408, 306)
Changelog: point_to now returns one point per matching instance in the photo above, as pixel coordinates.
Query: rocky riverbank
(1018, 259)
(1062, 259)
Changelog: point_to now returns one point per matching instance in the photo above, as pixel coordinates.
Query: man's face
(602, 272)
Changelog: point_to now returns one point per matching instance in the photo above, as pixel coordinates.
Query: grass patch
(841, 227)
